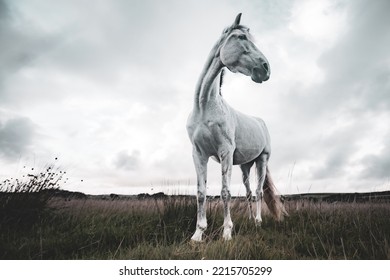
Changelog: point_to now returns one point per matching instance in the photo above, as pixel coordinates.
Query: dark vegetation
(40, 221)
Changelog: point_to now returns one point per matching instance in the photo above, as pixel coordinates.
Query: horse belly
(251, 140)
(242, 156)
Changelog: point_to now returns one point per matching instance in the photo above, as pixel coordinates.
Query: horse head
(238, 53)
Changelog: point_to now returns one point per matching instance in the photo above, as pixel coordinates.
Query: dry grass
(161, 228)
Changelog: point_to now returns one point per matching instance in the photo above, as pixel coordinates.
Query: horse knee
(225, 194)
(201, 197)
(249, 195)
(259, 194)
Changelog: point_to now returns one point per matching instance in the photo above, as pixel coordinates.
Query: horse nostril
(266, 67)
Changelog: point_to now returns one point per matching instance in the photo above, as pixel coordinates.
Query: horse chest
(211, 135)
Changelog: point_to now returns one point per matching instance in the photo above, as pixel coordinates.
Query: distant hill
(65, 194)
(342, 197)
(327, 197)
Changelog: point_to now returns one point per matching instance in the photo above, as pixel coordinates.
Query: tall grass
(23, 199)
(160, 229)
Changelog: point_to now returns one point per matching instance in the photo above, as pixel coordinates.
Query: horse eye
(242, 37)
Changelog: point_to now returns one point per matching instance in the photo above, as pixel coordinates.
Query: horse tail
(272, 199)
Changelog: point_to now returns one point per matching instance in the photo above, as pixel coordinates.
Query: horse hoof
(197, 237)
(196, 240)
(227, 238)
(227, 235)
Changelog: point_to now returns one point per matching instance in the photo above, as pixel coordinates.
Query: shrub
(23, 200)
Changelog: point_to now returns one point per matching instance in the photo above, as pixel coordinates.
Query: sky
(106, 88)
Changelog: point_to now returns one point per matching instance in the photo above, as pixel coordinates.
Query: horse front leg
(200, 163)
(227, 166)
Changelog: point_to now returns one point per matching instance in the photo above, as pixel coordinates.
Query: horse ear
(237, 20)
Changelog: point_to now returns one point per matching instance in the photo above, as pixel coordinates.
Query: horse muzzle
(260, 75)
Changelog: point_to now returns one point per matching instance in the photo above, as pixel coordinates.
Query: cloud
(142, 51)
(358, 67)
(336, 150)
(377, 165)
(127, 161)
(328, 119)
(16, 137)
(22, 43)
(4, 10)
(120, 76)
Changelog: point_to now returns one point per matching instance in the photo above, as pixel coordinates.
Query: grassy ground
(161, 228)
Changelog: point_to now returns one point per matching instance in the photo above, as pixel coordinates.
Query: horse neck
(207, 86)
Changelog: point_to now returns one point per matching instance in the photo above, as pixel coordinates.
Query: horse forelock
(244, 29)
(241, 27)
(229, 29)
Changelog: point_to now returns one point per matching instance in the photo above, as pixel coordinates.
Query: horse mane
(221, 80)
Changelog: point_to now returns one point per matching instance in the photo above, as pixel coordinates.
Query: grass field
(160, 228)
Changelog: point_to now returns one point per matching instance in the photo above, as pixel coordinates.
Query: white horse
(217, 130)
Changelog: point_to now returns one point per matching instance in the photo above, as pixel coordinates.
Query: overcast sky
(106, 86)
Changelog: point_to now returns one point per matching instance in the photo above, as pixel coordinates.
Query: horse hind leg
(261, 168)
(245, 168)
